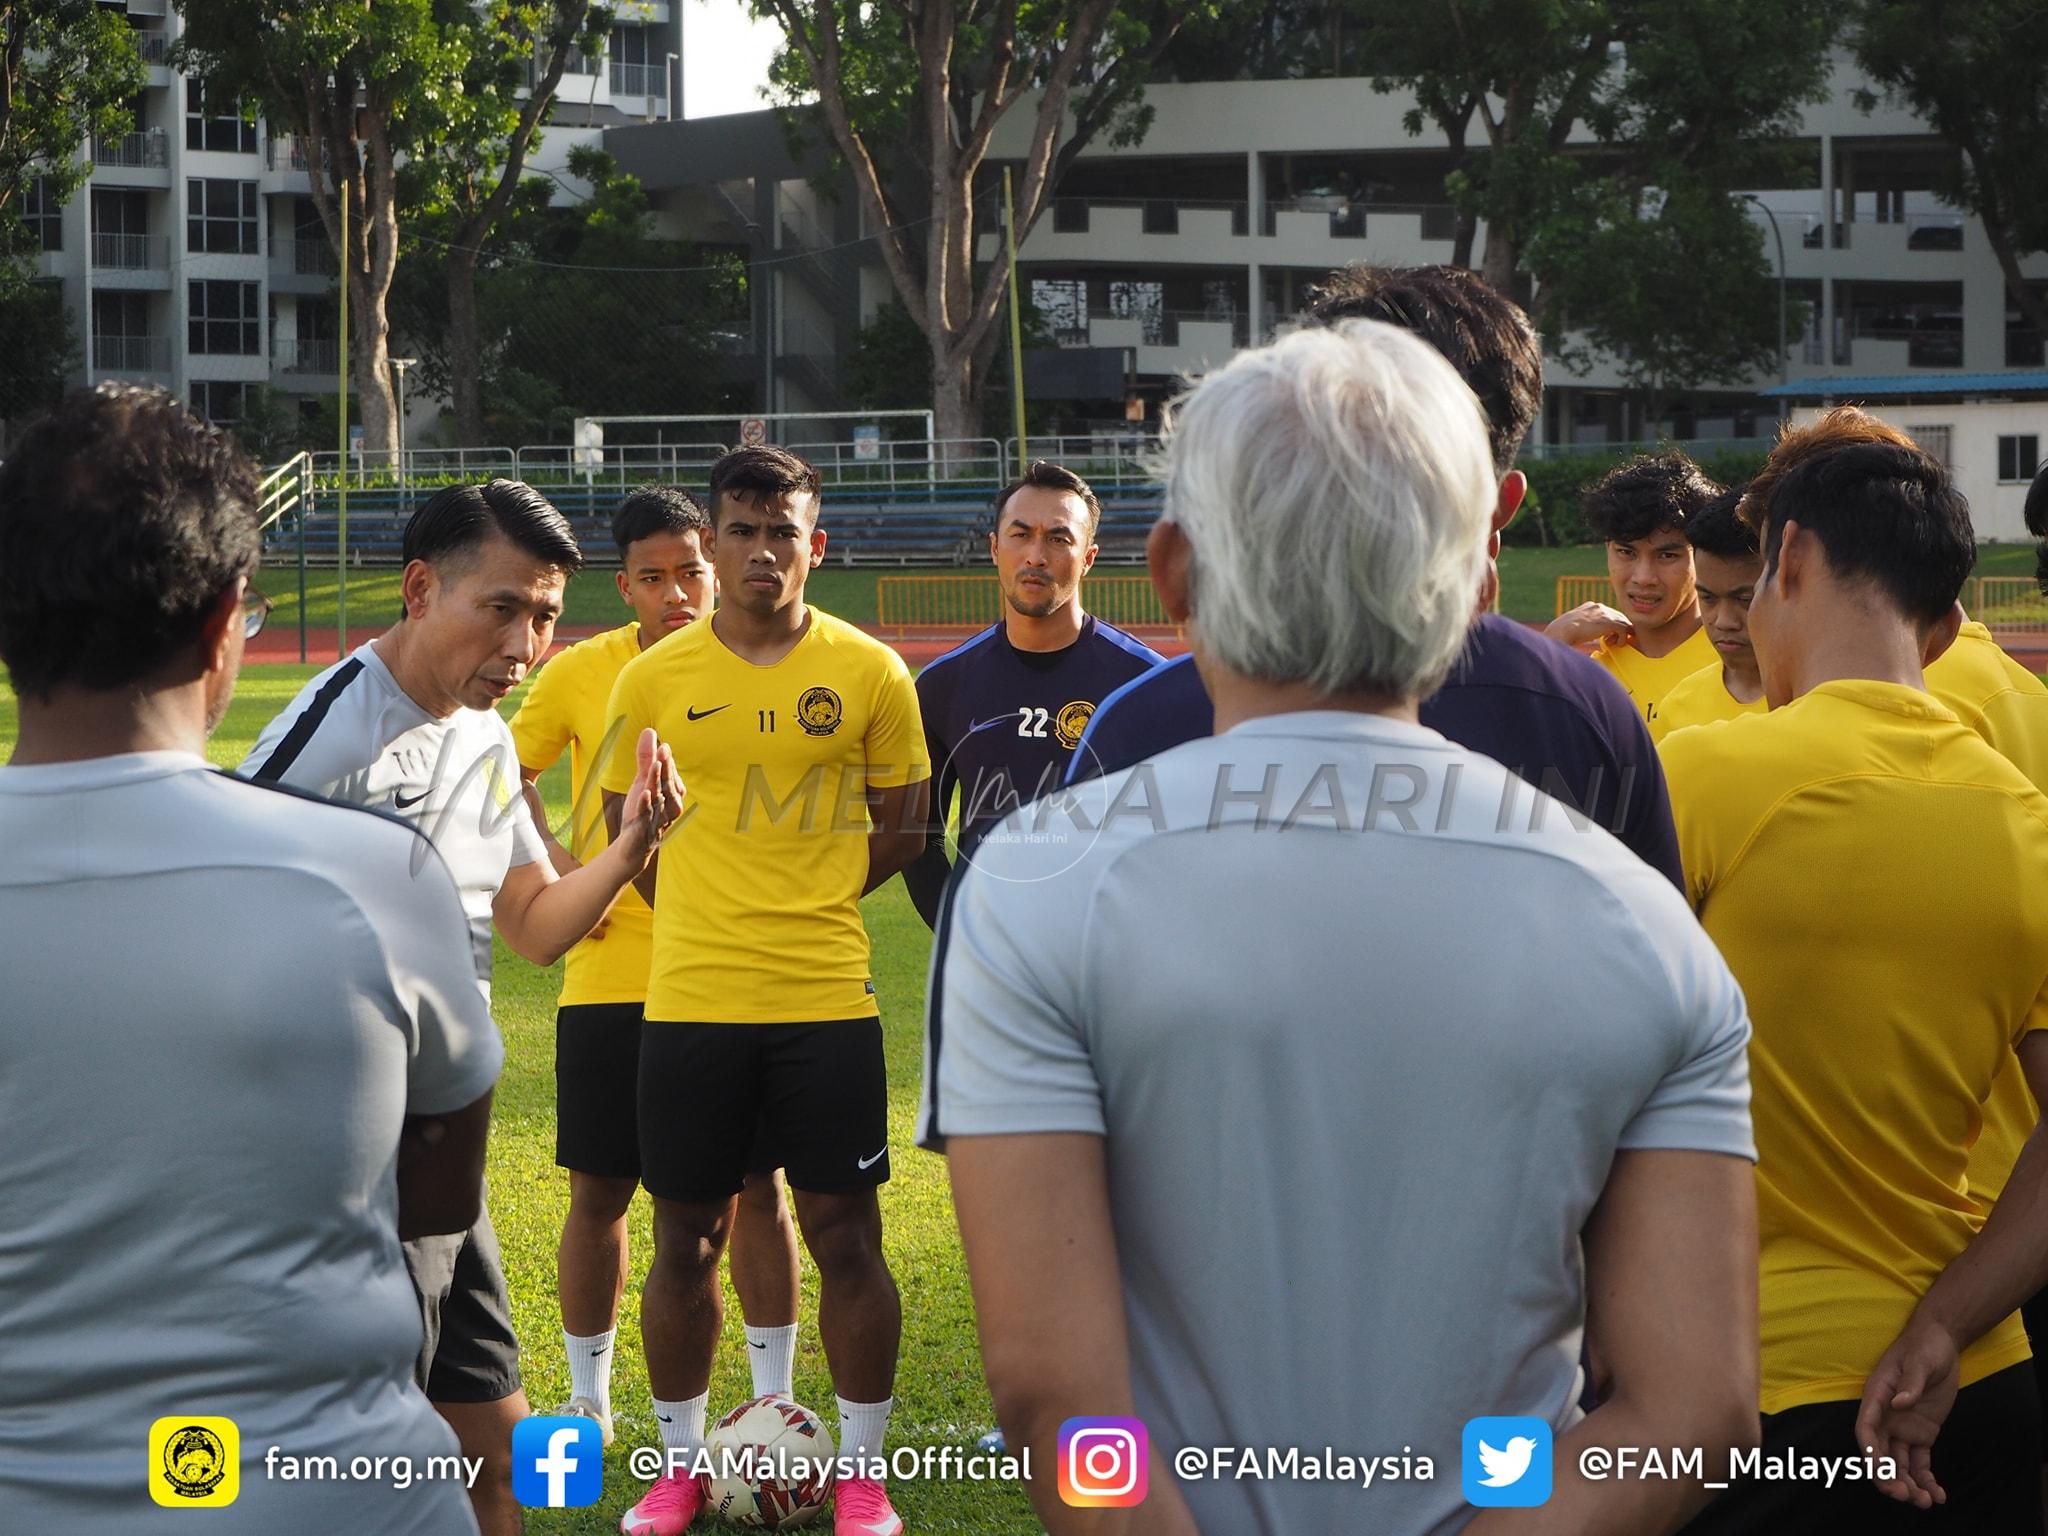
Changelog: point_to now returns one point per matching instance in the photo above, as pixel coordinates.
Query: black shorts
(597, 1094)
(2034, 1313)
(597, 1064)
(818, 1093)
(1987, 1458)
(468, 1353)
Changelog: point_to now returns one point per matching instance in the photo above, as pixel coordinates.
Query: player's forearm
(562, 914)
(925, 878)
(891, 850)
(2006, 1262)
(560, 858)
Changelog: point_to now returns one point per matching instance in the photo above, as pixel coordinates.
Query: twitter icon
(1507, 1463)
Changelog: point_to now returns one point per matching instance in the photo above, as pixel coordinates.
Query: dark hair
(1648, 494)
(765, 471)
(123, 518)
(1485, 336)
(2037, 524)
(653, 509)
(454, 521)
(1882, 512)
(1797, 444)
(1717, 529)
(1048, 476)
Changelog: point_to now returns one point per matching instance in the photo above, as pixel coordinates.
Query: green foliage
(272, 427)
(1977, 70)
(1553, 513)
(581, 311)
(38, 346)
(889, 367)
(67, 71)
(1681, 294)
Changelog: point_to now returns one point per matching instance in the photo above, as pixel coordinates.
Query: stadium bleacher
(902, 532)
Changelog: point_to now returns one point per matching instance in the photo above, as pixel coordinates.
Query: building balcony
(648, 80)
(131, 253)
(154, 44)
(133, 151)
(148, 7)
(132, 354)
(306, 357)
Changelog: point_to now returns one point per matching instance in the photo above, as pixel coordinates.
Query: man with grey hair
(1328, 1190)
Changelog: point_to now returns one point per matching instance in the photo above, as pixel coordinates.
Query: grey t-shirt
(353, 734)
(220, 1001)
(1363, 1047)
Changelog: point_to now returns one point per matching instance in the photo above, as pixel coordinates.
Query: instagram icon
(1104, 1463)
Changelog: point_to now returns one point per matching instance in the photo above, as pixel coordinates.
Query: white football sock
(772, 1354)
(863, 1426)
(682, 1424)
(590, 1366)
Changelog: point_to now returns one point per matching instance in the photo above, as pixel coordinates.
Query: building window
(224, 319)
(218, 126)
(219, 401)
(220, 217)
(44, 215)
(2019, 456)
(1938, 442)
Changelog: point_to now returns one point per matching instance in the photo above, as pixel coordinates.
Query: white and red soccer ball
(770, 1433)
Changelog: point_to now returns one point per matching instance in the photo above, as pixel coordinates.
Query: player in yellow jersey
(805, 780)
(1639, 511)
(1877, 878)
(1726, 567)
(665, 578)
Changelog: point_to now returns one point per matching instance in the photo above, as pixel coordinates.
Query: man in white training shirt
(408, 724)
(223, 1005)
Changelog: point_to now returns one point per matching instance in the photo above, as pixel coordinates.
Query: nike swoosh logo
(595, 1353)
(635, 1521)
(704, 714)
(869, 1162)
(982, 725)
(405, 804)
(884, 1527)
(753, 1345)
(664, 1418)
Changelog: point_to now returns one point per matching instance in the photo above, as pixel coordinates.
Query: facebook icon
(557, 1463)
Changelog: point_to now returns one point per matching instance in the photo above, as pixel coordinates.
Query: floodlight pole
(341, 480)
(399, 365)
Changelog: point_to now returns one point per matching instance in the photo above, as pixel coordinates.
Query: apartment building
(194, 259)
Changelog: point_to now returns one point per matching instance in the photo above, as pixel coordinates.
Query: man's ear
(219, 630)
(1940, 635)
(1088, 558)
(1170, 559)
(417, 587)
(625, 587)
(817, 547)
(1514, 489)
(1795, 551)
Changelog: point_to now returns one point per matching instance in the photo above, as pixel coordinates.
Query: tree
(1678, 293)
(39, 346)
(361, 85)
(927, 82)
(581, 310)
(1568, 93)
(67, 71)
(472, 171)
(1977, 70)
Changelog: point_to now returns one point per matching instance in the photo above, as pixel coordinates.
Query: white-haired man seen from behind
(1327, 1181)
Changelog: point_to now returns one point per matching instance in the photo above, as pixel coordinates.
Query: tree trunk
(370, 363)
(953, 421)
(1503, 256)
(465, 360)
(2029, 302)
(1465, 237)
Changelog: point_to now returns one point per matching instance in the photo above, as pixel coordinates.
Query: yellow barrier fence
(930, 602)
(2011, 605)
(1574, 590)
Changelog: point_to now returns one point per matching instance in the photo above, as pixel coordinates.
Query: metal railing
(289, 152)
(144, 151)
(287, 493)
(132, 354)
(302, 257)
(153, 43)
(132, 253)
(640, 80)
(1157, 215)
(1156, 328)
(306, 355)
(1351, 219)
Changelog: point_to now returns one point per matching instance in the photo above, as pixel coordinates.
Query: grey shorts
(468, 1353)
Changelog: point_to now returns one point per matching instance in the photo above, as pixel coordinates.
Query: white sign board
(589, 445)
(753, 432)
(867, 443)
